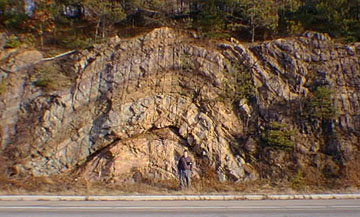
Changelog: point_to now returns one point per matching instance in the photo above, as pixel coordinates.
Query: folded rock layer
(133, 106)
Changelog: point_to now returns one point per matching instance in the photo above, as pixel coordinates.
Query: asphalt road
(282, 208)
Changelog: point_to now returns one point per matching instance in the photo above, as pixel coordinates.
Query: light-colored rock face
(136, 104)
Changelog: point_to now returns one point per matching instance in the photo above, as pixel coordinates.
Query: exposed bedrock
(135, 104)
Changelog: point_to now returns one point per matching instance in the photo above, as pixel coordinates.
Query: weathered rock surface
(136, 104)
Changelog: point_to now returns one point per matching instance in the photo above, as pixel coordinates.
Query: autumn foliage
(243, 19)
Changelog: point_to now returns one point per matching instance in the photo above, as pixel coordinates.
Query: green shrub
(14, 21)
(186, 63)
(78, 43)
(209, 21)
(12, 42)
(297, 181)
(239, 84)
(43, 83)
(279, 135)
(320, 104)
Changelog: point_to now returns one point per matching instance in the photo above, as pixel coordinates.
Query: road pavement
(228, 208)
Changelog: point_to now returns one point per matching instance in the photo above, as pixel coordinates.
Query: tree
(279, 135)
(12, 14)
(260, 14)
(321, 105)
(209, 19)
(286, 9)
(130, 6)
(339, 18)
(106, 14)
(352, 21)
(42, 20)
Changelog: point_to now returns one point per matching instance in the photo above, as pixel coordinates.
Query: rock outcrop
(135, 104)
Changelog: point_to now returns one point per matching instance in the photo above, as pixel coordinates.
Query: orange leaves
(41, 16)
(42, 20)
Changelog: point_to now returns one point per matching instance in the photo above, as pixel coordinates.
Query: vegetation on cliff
(78, 24)
(258, 113)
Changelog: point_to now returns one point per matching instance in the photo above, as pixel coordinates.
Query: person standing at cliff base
(185, 170)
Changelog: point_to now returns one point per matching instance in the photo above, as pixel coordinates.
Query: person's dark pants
(185, 179)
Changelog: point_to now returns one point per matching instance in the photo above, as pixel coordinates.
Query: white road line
(178, 197)
(346, 206)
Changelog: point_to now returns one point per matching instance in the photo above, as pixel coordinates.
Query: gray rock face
(12, 78)
(136, 104)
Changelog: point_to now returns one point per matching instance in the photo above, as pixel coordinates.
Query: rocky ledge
(131, 106)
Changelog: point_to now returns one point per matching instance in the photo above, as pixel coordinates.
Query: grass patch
(78, 43)
(71, 185)
(3, 87)
(12, 42)
(50, 78)
(353, 172)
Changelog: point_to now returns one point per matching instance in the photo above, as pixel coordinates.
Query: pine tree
(106, 13)
(339, 18)
(260, 14)
(209, 19)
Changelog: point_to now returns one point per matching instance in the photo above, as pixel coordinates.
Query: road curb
(178, 197)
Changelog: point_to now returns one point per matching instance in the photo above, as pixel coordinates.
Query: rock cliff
(127, 108)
